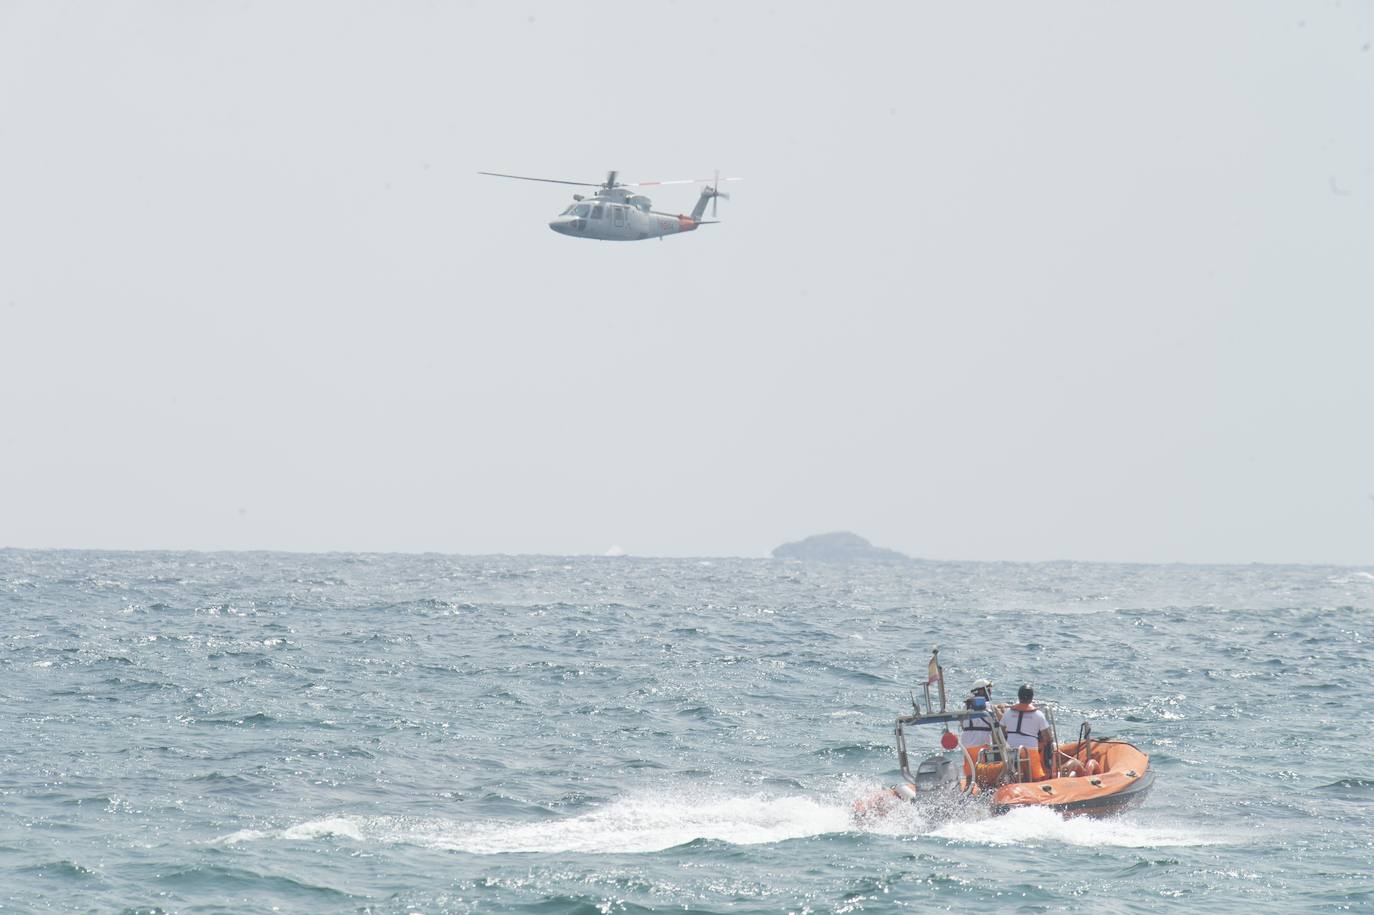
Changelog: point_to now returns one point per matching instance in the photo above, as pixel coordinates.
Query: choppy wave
(437, 733)
(1354, 787)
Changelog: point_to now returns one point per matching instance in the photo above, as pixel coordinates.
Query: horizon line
(628, 555)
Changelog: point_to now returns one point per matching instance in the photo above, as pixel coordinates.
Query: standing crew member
(1026, 726)
(977, 732)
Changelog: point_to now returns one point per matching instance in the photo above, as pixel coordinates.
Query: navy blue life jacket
(976, 724)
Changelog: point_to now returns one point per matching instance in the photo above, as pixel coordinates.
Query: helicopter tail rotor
(716, 193)
(711, 192)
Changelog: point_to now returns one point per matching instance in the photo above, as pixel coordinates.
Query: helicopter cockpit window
(582, 209)
(596, 211)
(569, 210)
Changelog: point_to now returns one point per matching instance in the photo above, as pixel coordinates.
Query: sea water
(188, 732)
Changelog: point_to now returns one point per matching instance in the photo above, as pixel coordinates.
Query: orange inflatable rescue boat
(1115, 776)
(1091, 777)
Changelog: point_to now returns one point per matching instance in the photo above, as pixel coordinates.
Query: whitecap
(242, 835)
(344, 827)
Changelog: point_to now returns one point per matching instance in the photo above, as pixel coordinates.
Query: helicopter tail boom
(711, 193)
(707, 193)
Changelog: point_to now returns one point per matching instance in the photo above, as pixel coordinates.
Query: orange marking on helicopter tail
(686, 223)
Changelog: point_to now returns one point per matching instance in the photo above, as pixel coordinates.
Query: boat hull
(1121, 778)
(1112, 775)
(1105, 806)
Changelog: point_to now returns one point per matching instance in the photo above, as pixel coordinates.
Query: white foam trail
(647, 824)
(654, 822)
(631, 825)
(1039, 826)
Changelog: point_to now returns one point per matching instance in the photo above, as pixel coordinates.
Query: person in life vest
(977, 732)
(1026, 726)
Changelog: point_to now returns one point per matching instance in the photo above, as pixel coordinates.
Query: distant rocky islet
(839, 546)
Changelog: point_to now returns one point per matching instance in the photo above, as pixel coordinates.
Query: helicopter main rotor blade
(680, 181)
(545, 180)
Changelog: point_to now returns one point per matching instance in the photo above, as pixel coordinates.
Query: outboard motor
(935, 773)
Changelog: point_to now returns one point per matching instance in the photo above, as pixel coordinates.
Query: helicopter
(615, 213)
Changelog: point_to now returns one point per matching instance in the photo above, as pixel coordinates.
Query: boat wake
(647, 823)
(1032, 826)
(656, 822)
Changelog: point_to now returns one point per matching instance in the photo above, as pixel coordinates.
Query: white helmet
(982, 683)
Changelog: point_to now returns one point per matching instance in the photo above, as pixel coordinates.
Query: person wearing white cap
(977, 732)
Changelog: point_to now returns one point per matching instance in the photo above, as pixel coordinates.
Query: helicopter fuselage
(614, 212)
(616, 215)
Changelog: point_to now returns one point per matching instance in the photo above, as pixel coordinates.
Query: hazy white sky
(1008, 282)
